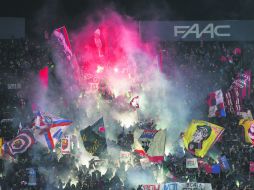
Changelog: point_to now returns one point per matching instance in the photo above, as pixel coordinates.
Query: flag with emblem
(200, 136)
(191, 163)
(20, 144)
(93, 138)
(66, 145)
(150, 143)
(48, 128)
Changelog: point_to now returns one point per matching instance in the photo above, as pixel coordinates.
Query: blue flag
(224, 163)
(216, 168)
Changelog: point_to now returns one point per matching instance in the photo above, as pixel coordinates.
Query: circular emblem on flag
(17, 144)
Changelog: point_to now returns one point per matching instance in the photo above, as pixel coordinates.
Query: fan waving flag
(216, 104)
(63, 43)
(20, 143)
(238, 91)
(94, 138)
(200, 136)
(150, 143)
(48, 129)
(243, 84)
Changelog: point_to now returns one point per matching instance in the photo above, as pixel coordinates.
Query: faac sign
(223, 30)
(210, 29)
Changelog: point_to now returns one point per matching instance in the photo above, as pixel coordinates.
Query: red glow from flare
(108, 44)
(43, 76)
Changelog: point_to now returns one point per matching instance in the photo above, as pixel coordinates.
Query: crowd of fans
(207, 66)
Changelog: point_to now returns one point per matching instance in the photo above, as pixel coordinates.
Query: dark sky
(139, 9)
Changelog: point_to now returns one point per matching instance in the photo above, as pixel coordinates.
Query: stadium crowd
(21, 59)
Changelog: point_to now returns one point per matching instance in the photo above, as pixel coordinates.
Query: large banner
(224, 30)
(178, 186)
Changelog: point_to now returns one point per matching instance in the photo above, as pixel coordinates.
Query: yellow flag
(1, 144)
(248, 130)
(200, 136)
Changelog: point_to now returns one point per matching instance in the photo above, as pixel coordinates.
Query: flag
(248, 130)
(216, 168)
(66, 145)
(63, 43)
(251, 167)
(200, 136)
(150, 143)
(93, 138)
(208, 168)
(20, 144)
(224, 163)
(216, 104)
(232, 101)
(1, 146)
(238, 91)
(48, 129)
(243, 84)
(191, 163)
(134, 103)
(99, 128)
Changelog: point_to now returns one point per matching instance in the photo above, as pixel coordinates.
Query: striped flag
(49, 128)
(232, 101)
(238, 91)
(243, 84)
